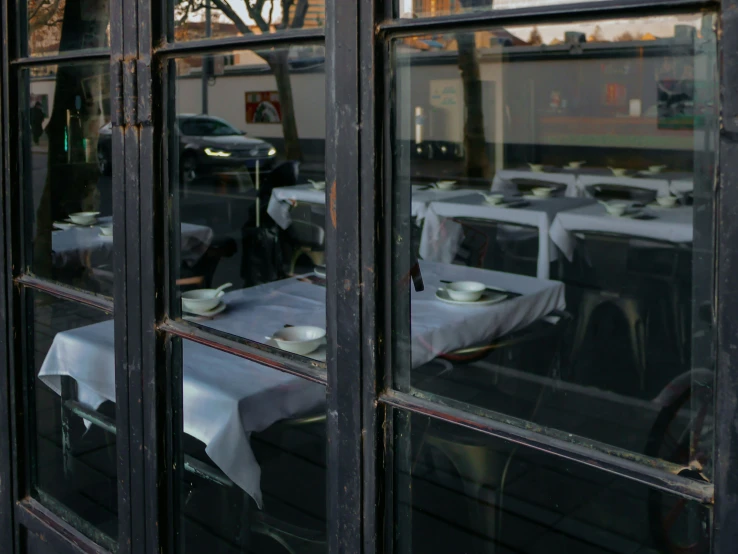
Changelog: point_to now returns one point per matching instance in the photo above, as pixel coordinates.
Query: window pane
(437, 8)
(560, 201)
(255, 438)
(71, 365)
(56, 26)
(194, 19)
(461, 491)
(248, 192)
(66, 145)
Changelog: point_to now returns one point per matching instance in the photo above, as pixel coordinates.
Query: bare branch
(300, 12)
(255, 14)
(230, 13)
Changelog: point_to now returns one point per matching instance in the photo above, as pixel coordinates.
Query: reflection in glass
(56, 26)
(202, 19)
(438, 8)
(71, 366)
(462, 491)
(254, 456)
(573, 183)
(246, 155)
(66, 139)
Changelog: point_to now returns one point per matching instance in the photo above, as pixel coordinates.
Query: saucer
(488, 297)
(209, 313)
(319, 354)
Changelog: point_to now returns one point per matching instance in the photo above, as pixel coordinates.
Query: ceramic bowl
(667, 201)
(536, 167)
(201, 300)
(445, 185)
(318, 185)
(618, 171)
(541, 192)
(575, 165)
(494, 198)
(656, 168)
(465, 291)
(302, 339)
(84, 218)
(615, 208)
(106, 230)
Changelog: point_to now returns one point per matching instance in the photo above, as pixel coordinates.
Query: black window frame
(360, 401)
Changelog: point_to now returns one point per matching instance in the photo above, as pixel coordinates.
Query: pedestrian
(37, 121)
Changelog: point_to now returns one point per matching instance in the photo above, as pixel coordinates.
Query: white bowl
(575, 165)
(318, 185)
(201, 300)
(106, 230)
(656, 168)
(301, 339)
(618, 171)
(84, 218)
(536, 167)
(667, 201)
(494, 198)
(465, 291)
(541, 192)
(615, 208)
(445, 185)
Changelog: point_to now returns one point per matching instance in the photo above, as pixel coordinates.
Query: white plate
(209, 313)
(319, 355)
(488, 297)
(63, 226)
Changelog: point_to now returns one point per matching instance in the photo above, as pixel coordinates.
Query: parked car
(206, 144)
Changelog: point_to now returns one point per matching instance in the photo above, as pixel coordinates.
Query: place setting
(625, 210)
(471, 293)
(202, 304)
(303, 340)
(501, 201)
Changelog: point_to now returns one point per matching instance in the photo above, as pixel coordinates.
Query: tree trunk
(279, 64)
(71, 181)
(476, 161)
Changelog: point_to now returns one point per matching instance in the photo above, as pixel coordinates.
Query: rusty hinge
(116, 88)
(144, 116)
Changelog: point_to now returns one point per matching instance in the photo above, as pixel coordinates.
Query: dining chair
(482, 468)
(307, 234)
(607, 191)
(498, 245)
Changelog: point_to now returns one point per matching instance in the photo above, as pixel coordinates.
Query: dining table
(227, 398)
(651, 222)
(283, 199)
(442, 232)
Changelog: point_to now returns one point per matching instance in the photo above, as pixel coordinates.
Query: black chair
(607, 191)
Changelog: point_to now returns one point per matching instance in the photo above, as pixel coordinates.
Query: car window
(207, 128)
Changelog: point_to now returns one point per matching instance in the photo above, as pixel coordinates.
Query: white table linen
(441, 236)
(78, 244)
(670, 224)
(284, 198)
(226, 398)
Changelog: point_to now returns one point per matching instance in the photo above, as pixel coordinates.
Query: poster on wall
(263, 107)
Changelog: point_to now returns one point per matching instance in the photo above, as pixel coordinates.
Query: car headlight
(272, 152)
(217, 153)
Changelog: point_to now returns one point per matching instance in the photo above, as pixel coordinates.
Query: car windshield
(202, 127)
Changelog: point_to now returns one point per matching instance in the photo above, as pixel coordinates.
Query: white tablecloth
(77, 244)
(283, 198)
(226, 398)
(671, 224)
(441, 236)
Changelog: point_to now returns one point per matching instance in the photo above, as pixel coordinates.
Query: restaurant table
(442, 236)
(226, 398)
(78, 244)
(283, 198)
(668, 224)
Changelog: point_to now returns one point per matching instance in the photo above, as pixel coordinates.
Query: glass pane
(248, 189)
(72, 382)
(556, 198)
(437, 8)
(56, 26)
(194, 20)
(254, 456)
(460, 491)
(67, 184)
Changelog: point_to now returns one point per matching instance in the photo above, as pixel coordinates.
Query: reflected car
(207, 144)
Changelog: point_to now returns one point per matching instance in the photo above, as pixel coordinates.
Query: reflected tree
(78, 110)
(267, 16)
